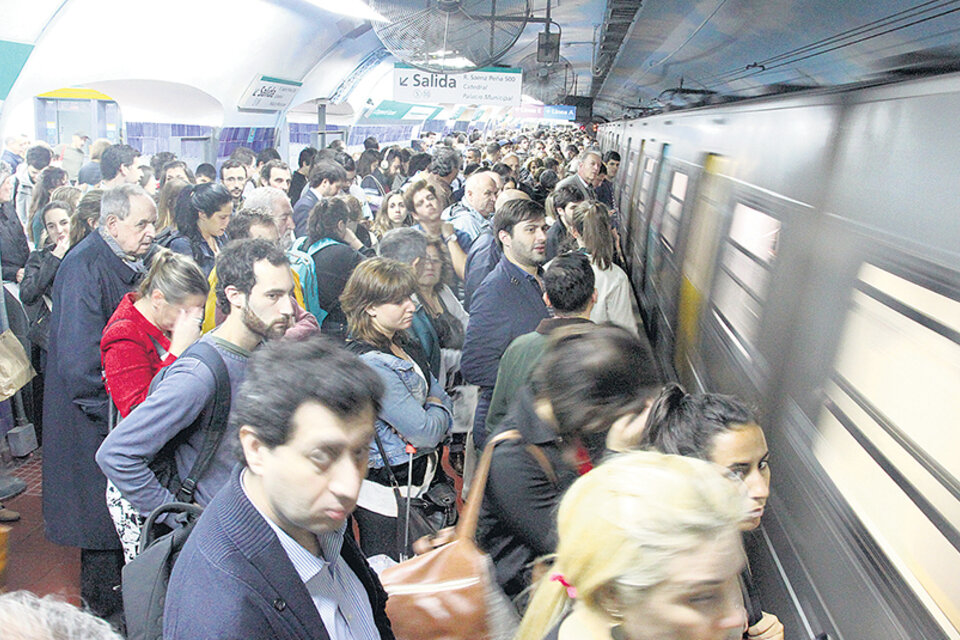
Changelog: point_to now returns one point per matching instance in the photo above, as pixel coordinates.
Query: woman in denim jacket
(416, 414)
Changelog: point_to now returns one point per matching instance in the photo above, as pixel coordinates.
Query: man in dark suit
(272, 556)
(326, 179)
(90, 282)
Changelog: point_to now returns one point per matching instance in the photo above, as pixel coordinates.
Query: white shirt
(615, 301)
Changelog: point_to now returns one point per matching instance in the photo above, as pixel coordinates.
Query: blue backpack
(301, 261)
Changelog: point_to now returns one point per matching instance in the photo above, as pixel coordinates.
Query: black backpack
(145, 578)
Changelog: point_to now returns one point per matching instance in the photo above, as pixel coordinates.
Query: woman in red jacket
(148, 331)
(151, 327)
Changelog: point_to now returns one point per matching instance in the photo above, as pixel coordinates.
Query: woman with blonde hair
(724, 431)
(649, 548)
(416, 413)
(615, 301)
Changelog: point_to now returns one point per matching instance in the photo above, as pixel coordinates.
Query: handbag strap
(467, 528)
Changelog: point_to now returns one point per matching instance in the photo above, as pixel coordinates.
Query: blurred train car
(803, 252)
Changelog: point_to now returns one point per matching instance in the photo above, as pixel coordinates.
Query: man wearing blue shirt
(509, 302)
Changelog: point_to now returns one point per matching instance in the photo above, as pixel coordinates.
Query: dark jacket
(301, 211)
(199, 250)
(38, 275)
(508, 304)
(518, 518)
(234, 580)
(13, 243)
(517, 365)
(482, 258)
(559, 240)
(333, 265)
(86, 291)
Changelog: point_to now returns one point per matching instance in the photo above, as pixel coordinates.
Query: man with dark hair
(565, 200)
(570, 291)
(326, 180)
(472, 155)
(233, 176)
(92, 278)
(611, 160)
(272, 554)
(493, 153)
(248, 158)
(37, 158)
(276, 173)
(205, 172)
(253, 288)
(509, 302)
(371, 143)
(118, 165)
(299, 179)
(267, 155)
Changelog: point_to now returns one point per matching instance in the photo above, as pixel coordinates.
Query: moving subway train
(802, 251)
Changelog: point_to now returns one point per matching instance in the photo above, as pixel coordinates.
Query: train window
(671, 220)
(744, 271)
(885, 436)
(646, 178)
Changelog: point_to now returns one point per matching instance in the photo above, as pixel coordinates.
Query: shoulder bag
(451, 592)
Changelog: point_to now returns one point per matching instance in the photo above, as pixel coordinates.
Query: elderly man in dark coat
(92, 278)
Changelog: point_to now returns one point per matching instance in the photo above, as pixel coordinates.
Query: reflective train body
(803, 252)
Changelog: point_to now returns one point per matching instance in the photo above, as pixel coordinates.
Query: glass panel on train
(671, 221)
(888, 436)
(744, 271)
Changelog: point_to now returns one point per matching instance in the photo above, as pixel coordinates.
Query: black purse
(418, 517)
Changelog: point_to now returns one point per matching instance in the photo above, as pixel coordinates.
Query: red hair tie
(571, 590)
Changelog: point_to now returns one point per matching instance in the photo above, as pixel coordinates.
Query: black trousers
(100, 583)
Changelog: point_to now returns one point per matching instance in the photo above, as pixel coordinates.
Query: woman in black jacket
(41, 268)
(589, 379)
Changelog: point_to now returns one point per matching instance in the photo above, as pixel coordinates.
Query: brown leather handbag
(451, 592)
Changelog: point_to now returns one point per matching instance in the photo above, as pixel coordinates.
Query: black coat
(86, 291)
(38, 275)
(13, 242)
(518, 518)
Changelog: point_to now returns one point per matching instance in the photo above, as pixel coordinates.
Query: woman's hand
(186, 330)
(768, 627)
(61, 249)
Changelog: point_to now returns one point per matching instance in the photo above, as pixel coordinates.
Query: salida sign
(484, 86)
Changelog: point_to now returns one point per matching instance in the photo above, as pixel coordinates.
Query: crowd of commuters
(367, 321)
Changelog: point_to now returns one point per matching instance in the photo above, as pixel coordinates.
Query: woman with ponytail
(722, 430)
(615, 301)
(648, 549)
(202, 214)
(335, 250)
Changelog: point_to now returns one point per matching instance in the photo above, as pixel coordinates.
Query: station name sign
(492, 86)
(269, 94)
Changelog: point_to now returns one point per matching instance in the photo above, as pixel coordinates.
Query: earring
(617, 633)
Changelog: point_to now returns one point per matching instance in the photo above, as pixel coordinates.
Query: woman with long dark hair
(47, 182)
(202, 214)
(724, 431)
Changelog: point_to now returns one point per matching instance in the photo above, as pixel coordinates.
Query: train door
(696, 272)
(644, 185)
(730, 329)
(662, 267)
